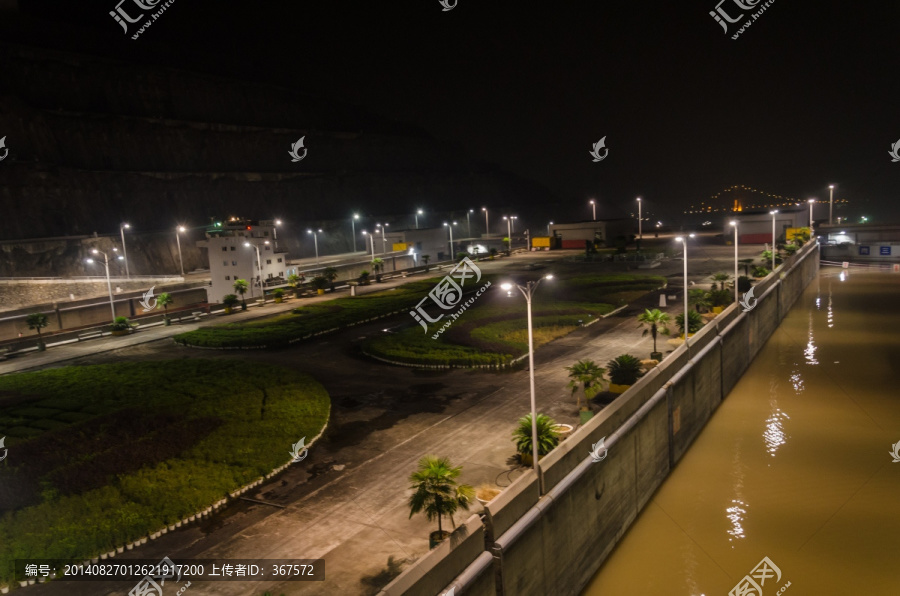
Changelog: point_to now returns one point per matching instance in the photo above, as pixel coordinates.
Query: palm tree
(585, 375)
(699, 298)
(548, 438)
(164, 300)
(377, 267)
(241, 287)
(37, 321)
(658, 321)
(695, 321)
(435, 491)
(293, 281)
(721, 278)
(746, 264)
(426, 258)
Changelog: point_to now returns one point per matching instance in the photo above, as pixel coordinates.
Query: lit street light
(773, 238)
(372, 238)
(383, 241)
(417, 214)
(548, 227)
(122, 229)
(594, 209)
(527, 291)
(112, 306)
(275, 233)
(735, 226)
(450, 227)
(469, 223)
(811, 203)
(315, 234)
(259, 268)
(687, 327)
(353, 228)
(487, 227)
(178, 232)
(509, 222)
(830, 203)
(640, 233)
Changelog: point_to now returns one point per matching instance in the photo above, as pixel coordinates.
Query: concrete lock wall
(555, 543)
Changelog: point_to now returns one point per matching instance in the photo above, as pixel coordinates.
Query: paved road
(346, 502)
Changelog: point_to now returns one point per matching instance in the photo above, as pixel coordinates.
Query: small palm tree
(587, 376)
(426, 258)
(547, 436)
(38, 321)
(164, 300)
(435, 491)
(719, 278)
(493, 253)
(229, 301)
(241, 287)
(293, 281)
(657, 321)
(624, 370)
(695, 321)
(377, 267)
(746, 264)
(699, 298)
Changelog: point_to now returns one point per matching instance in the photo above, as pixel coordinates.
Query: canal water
(794, 466)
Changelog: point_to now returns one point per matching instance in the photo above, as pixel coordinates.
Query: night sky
(805, 97)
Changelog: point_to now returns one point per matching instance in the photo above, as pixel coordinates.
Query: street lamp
(383, 241)
(178, 232)
(450, 227)
(830, 203)
(353, 228)
(275, 233)
(487, 227)
(259, 269)
(509, 221)
(417, 214)
(469, 223)
(687, 327)
(548, 227)
(122, 229)
(773, 238)
(594, 209)
(112, 306)
(315, 234)
(527, 291)
(735, 225)
(811, 203)
(372, 238)
(640, 234)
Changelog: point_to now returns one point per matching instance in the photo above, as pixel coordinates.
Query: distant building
(755, 227)
(231, 259)
(574, 235)
(860, 242)
(434, 242)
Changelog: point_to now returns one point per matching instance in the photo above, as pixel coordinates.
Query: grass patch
(302, 322)
(140, 446)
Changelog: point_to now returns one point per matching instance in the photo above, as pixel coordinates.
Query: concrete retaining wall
(555, 543)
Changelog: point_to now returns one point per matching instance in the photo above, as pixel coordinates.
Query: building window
(266, 233)
(232, 248)
(224, 248)
(227, 278)
(234, 263)
(270, 276)
(267, 248)
(225, 263)
(279, 259)
(268, 261)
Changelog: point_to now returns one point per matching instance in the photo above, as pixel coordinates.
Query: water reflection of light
(843, 276)
(830, 314)
(774, 435)
(797, 382)
(736, 515)
(810, 351)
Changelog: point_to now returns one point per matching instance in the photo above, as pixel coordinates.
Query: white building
(233, 248)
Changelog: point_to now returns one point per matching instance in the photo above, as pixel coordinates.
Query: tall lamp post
(734, 224)
(773, 238)
(509, 221)
(353, 228)
(178, 231)
(527, 291)
(594, 209)
(640, 232)
(811, 203)
(548, 227)
(112, 306)
(372, 239)
(315, 234)
(122, 229)
(469, 223)
(275, 233)
(383, 241)
(417, 214)
(258, 268)
(487, 226)
(687, 326)
(450, 227)
(830, 203)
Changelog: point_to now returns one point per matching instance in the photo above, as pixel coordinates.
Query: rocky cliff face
(93, 143)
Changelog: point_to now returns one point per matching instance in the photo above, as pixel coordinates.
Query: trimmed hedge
(138, 446)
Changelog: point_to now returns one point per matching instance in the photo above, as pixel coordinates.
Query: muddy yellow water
(795, 465)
